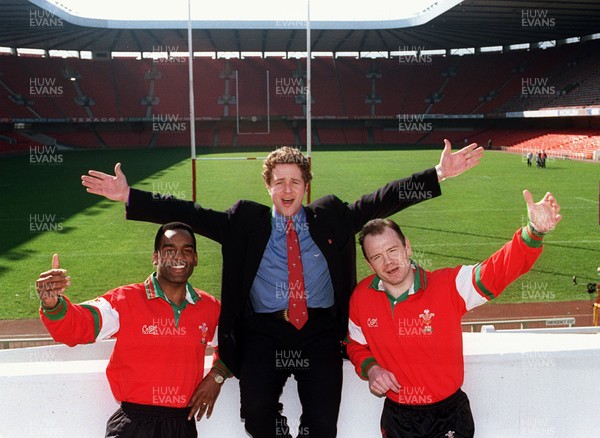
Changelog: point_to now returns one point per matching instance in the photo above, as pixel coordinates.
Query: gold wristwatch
(218, 377)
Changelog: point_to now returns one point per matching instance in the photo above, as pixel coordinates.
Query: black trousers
(146, 421)
(274, 350)
(450, 418)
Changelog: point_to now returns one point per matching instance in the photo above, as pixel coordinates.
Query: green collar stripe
(156, 287)
(419, 284)
(482, 289)
(153, 290)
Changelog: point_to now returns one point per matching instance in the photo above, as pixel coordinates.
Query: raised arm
(480, 283)
(113, 187)
(421, 186)
(68, 323)
(52, 283)
(152, 207)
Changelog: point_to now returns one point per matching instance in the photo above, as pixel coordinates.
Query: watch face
(219, 378)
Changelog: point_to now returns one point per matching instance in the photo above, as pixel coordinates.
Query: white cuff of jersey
(464, 286)
(356, 333)
(215, 340)
(110, 318)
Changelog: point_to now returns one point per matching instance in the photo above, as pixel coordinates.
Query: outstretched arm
(111, 187)
(453, 164)
(480, 283)
(153, 207)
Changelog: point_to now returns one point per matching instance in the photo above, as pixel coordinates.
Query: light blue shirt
(270, 290)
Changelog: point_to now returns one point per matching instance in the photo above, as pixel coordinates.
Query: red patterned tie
(297, 312)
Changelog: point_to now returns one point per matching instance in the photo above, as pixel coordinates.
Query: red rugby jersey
(158, 357)
(418, 336)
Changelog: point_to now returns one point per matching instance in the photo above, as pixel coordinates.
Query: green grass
(477, 213)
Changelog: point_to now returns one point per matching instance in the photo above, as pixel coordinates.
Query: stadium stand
(281, 74)
(131, 86)
(325, 89)
(77, 138)
(96, 87)
(143, 92)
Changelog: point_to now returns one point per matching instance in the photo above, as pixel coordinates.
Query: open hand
(453, 164)
(111, 187)
(543, 215)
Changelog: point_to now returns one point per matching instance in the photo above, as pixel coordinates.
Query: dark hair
(378, 226)
(286, 155)
(172, 226)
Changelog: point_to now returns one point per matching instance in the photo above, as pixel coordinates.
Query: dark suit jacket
(243, 232)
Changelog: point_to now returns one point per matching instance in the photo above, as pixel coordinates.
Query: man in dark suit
(280, 318)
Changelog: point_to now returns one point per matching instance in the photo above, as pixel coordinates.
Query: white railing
(519, 384)
(549, 322)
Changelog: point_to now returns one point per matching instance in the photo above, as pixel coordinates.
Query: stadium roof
(445, 25)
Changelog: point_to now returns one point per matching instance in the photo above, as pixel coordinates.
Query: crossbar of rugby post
(229, 158)
(192, 112)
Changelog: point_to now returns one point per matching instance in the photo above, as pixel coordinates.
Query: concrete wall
(520, 385)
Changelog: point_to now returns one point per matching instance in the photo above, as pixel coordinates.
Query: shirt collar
(153, 290)
(418, 285)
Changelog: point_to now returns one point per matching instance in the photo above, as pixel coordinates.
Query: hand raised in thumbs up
(51, 284)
